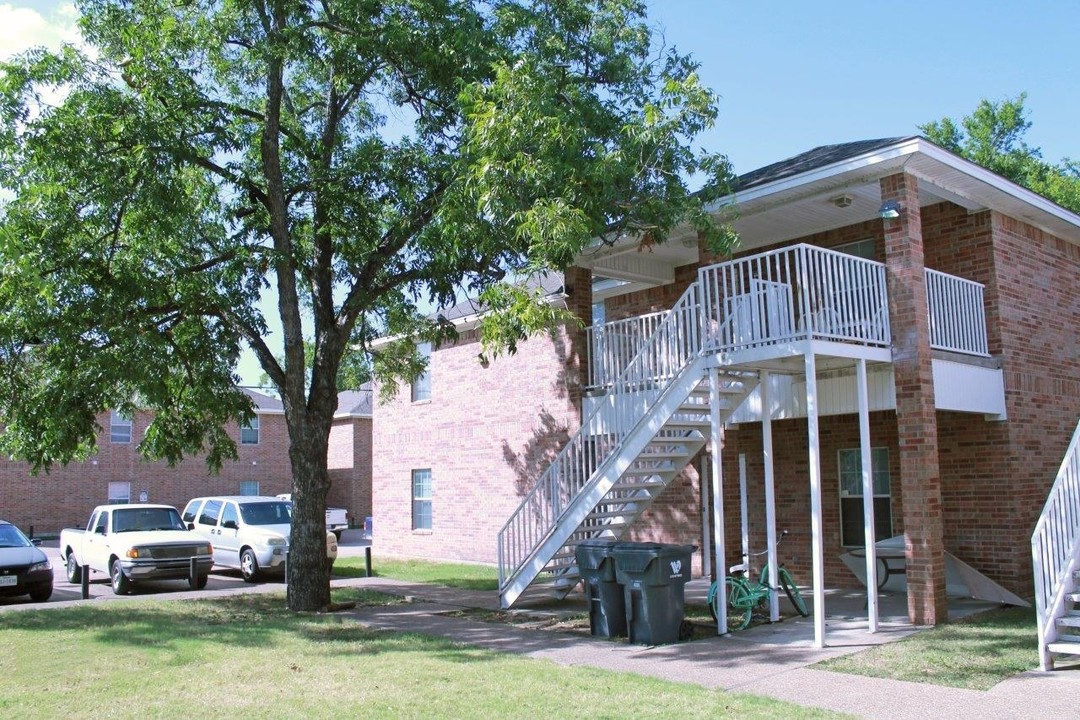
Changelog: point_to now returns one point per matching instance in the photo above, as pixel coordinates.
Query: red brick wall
(486, 435)
(349, 465)
(65, 496)
(1039, 303)
(792, 487)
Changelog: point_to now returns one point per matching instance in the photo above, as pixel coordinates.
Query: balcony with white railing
(797, 293)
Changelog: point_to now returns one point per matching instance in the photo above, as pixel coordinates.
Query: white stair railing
(1055, 545)
(613, 345)
(676, 340)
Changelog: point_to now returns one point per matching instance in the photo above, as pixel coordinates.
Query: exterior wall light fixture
(889, 210)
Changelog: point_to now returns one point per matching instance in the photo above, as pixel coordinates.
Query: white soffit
(801, 205)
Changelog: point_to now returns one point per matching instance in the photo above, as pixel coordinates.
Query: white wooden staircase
(1055, 552)
(655, 419)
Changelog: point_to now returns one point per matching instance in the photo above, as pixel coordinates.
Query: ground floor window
(119, 493)
(851, 496)
(249, 487)
(421, 499)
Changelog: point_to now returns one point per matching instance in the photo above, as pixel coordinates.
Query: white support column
(818, 543)
(770, 495)
(868, 497)
(706, 510)
(720, 563)
(744, 513)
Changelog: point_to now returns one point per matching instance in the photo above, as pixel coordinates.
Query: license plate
(8, 580)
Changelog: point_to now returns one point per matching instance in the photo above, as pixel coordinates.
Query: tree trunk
(308, 571)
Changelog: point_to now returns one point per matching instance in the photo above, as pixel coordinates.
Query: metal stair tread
(1065, 647)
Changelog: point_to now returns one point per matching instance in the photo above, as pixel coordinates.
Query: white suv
(248, 532)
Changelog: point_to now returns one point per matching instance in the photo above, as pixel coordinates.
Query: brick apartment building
(888, 281)
(64, 497)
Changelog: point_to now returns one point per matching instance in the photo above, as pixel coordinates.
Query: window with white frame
(249, 432)
(249, 487)
(860, 248)
(421, 387)
(421, 499)
(119, 493)
(851, 496)
(119, 427)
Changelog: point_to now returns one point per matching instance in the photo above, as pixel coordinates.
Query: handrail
(794, 292)
(957, 314)
(613, 345)
(674, 342)
(1055, 544)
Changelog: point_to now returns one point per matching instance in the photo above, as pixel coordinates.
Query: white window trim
(252, 425)
(429, 499)
(840, 487)
(118, 421)
(118, 499)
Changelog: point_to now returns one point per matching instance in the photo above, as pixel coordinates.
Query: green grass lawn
(976, 653)
(248, 657)
(458, 575)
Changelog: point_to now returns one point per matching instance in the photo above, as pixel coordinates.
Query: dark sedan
(24, 569)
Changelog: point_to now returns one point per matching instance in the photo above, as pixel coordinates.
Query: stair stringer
(613, 469)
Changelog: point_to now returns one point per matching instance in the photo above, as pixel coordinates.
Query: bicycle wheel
(740, 602)
(792, 591)
(711, 601)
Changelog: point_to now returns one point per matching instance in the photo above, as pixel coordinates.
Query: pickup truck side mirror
(99, 530)
(230, 525)
(191, 526)
(35, 542)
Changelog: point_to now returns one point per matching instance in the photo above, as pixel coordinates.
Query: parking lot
(352, 544)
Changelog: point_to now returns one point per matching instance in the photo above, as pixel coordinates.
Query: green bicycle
(744, 595)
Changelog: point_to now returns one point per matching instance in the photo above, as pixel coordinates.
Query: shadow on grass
(250, 621)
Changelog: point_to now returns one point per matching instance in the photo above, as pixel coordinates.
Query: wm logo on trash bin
(676, 567)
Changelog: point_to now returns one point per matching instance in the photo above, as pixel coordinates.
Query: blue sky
(795, 75)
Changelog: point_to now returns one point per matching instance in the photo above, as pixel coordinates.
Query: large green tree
(362, 158)
(993, 136)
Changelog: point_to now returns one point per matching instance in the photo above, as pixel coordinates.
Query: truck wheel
(120, 583)
(337, 534)
(199, 582)
(74, 570)
(249, 566)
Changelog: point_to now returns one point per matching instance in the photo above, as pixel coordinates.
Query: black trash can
(607, 605)
(654, 578)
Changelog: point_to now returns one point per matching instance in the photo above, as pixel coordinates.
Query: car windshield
(266, 513)
(132, 519)
(11, 536)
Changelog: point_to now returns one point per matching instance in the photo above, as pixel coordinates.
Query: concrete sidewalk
(770, 660)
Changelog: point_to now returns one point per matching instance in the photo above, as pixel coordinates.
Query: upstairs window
(860, 248)
(421, 387)
(249, 432)
(119, 428)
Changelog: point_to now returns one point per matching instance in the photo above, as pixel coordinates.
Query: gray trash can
(604, 595)
(654, 578)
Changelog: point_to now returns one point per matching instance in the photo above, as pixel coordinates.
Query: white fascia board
(880, 156)
(998, 182)
(888, 158)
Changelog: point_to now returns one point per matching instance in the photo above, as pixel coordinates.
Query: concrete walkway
(770, 660)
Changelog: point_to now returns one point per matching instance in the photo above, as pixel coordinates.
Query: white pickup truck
(136, 542)
(337, 519)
